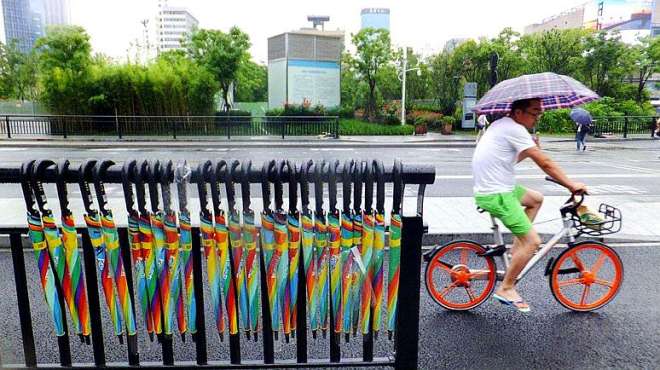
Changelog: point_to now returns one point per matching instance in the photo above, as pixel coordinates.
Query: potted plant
(421, 128)
(447, 125)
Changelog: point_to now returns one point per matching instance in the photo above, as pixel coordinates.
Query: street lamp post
(402, 78)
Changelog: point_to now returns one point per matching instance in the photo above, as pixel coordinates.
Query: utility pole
(403, 87)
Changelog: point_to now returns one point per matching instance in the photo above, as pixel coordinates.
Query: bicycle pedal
(493, 251)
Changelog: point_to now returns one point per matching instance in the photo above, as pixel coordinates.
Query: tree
(646, 57)
(511, 62)
(17, 73)
(350, 82)
(558, 51)
(373, 52)
(221, 53)
(251, 82)
(445, 80)
(607, 62)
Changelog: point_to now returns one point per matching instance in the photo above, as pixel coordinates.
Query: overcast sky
(423, 25)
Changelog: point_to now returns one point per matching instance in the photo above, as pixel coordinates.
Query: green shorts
(507, 208)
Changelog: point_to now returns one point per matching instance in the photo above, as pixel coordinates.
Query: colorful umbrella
(346, 245)
(268, 248)
(379, 246)
(293, 226)
(70, 240)
(335, 260)
(320, 300)
(54, 242)
(555, 91)
(281, 256)
(367, 251)
(249, 233)
(208, 241)
(395, 251)
(187, 297)
(148, 252)
(95, 230)
(38, 239)
(236, 242)
(307, 245)
(128, 170)
(111, 239)
(356, 250)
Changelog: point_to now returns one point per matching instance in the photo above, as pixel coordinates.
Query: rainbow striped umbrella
(187, 296)
(281, 256)
(395, 251)
(134, 240)
(293, 226)
(111, 239)
(357, 276)
(379, 247)
(37, 237)
(249, 234)
(335, 261)
(366, 280)
(164, 325)
(236, 242)
(208, 241)
(307, 245)
(268, 248)
(346, 245)
(70, 240)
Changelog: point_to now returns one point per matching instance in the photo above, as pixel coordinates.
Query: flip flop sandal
(520, 305)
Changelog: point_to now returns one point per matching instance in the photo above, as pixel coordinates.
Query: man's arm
(552, 169)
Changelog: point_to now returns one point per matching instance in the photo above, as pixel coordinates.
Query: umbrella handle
(98, 171)
(83, 174)
(245, 184)
(218, 172)
(346, 184)
(126, 171)
(30, 203)
(398, 187)
(380, 186)
(318, 186)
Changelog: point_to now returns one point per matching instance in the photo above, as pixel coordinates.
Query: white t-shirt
(496, 155)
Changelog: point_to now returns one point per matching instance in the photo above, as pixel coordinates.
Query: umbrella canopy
(555, 91)
(581, 116)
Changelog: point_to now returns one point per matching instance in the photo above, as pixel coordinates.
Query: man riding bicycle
(505, 143)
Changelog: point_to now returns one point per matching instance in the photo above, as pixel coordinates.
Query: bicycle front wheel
(457, 278)
(587, 276)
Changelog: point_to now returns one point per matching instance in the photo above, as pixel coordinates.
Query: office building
(17, 24)
(56, 12)
(655, 18)
(172, 26)
(570, 19)
(378, 18)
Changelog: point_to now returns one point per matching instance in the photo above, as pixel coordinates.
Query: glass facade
(378, 18)
(17, 19)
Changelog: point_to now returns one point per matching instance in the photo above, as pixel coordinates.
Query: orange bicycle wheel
(457, 278)
(586, 277)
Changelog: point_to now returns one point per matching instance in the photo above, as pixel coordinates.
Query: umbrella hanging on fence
(249, 234)
(187, 297)
(148, 251)
(346, 245)
(293, 226)
(379, 246)
(356, 250)
(307, 246)
(54, 243)
(281, 255)
(334, 241)
(70, 240)
(395, 251)
(268, 248)
(38, 239)
(95, 230)
(320, 263)
(367, 251)
(128, 170)
(175, 300)
(208, 241)
(555, 91)
(111, 240)
(237, 255)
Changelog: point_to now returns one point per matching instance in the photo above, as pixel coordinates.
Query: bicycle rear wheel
(457, 278)
(586, 277)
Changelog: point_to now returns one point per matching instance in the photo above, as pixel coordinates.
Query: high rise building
(655, 18)
(570, 19)
(172, 25)
(16, 24)
(378, 18)
(56, 12)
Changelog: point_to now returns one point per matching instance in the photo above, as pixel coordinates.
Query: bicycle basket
(608, 221)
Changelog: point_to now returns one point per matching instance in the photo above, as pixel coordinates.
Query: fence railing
(624, 125)
(172, 126)
(346, 246)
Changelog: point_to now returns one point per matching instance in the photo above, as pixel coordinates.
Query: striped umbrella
(237, 255)
(187, 297)
(281, 256)
(210, 252)
(335, 260)
(268, 248)
(38, 239)
(307, 245)
(367, 252)
(134, 240)
(346, 245)
(321, 272)
(356, 250)
(555, 91)
(379, 246)
(249, 234)
(293, 226)
(395, 251)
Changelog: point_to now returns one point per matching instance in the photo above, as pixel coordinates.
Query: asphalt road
(621, 335)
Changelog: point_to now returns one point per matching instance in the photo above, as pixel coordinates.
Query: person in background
(482, 124)
(583, 121)
(656, 133)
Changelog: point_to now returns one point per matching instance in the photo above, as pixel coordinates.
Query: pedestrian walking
(482, 123)
(656, 132)
(583, 121)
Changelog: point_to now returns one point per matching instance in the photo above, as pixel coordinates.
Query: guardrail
(346, 247)
(624, 125)
(174, 126)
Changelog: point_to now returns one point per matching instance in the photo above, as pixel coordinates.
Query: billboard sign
(313, 81)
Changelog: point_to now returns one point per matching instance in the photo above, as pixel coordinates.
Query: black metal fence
(626, 125)
(172, 126)
(357, 179)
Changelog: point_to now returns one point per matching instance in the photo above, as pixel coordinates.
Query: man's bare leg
(532, 201)
(523, 250)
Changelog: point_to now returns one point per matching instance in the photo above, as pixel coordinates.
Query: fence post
(8, 130)
(625, 127)
(406, 341)
(228, 128)
(118, 127)
(27, 334)
(283, 127)
(336, 127)
(63, 126)
(174, 128)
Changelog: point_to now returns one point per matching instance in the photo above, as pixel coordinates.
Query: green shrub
(427, 107)
(556, 121)
(357, 127)
(233, 113)
(342, 112)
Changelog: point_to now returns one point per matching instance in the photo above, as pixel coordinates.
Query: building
(631, 30)
(655, 18)
(570, 19)
(17, 24)
(56, 12)
(378, 18)
(172, 25)
(304, 67)
(452, 44)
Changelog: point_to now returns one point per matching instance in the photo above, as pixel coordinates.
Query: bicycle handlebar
(576, 203)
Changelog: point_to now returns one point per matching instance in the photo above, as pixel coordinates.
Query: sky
(423, 25)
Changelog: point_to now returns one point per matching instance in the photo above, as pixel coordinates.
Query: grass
(358, 127)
